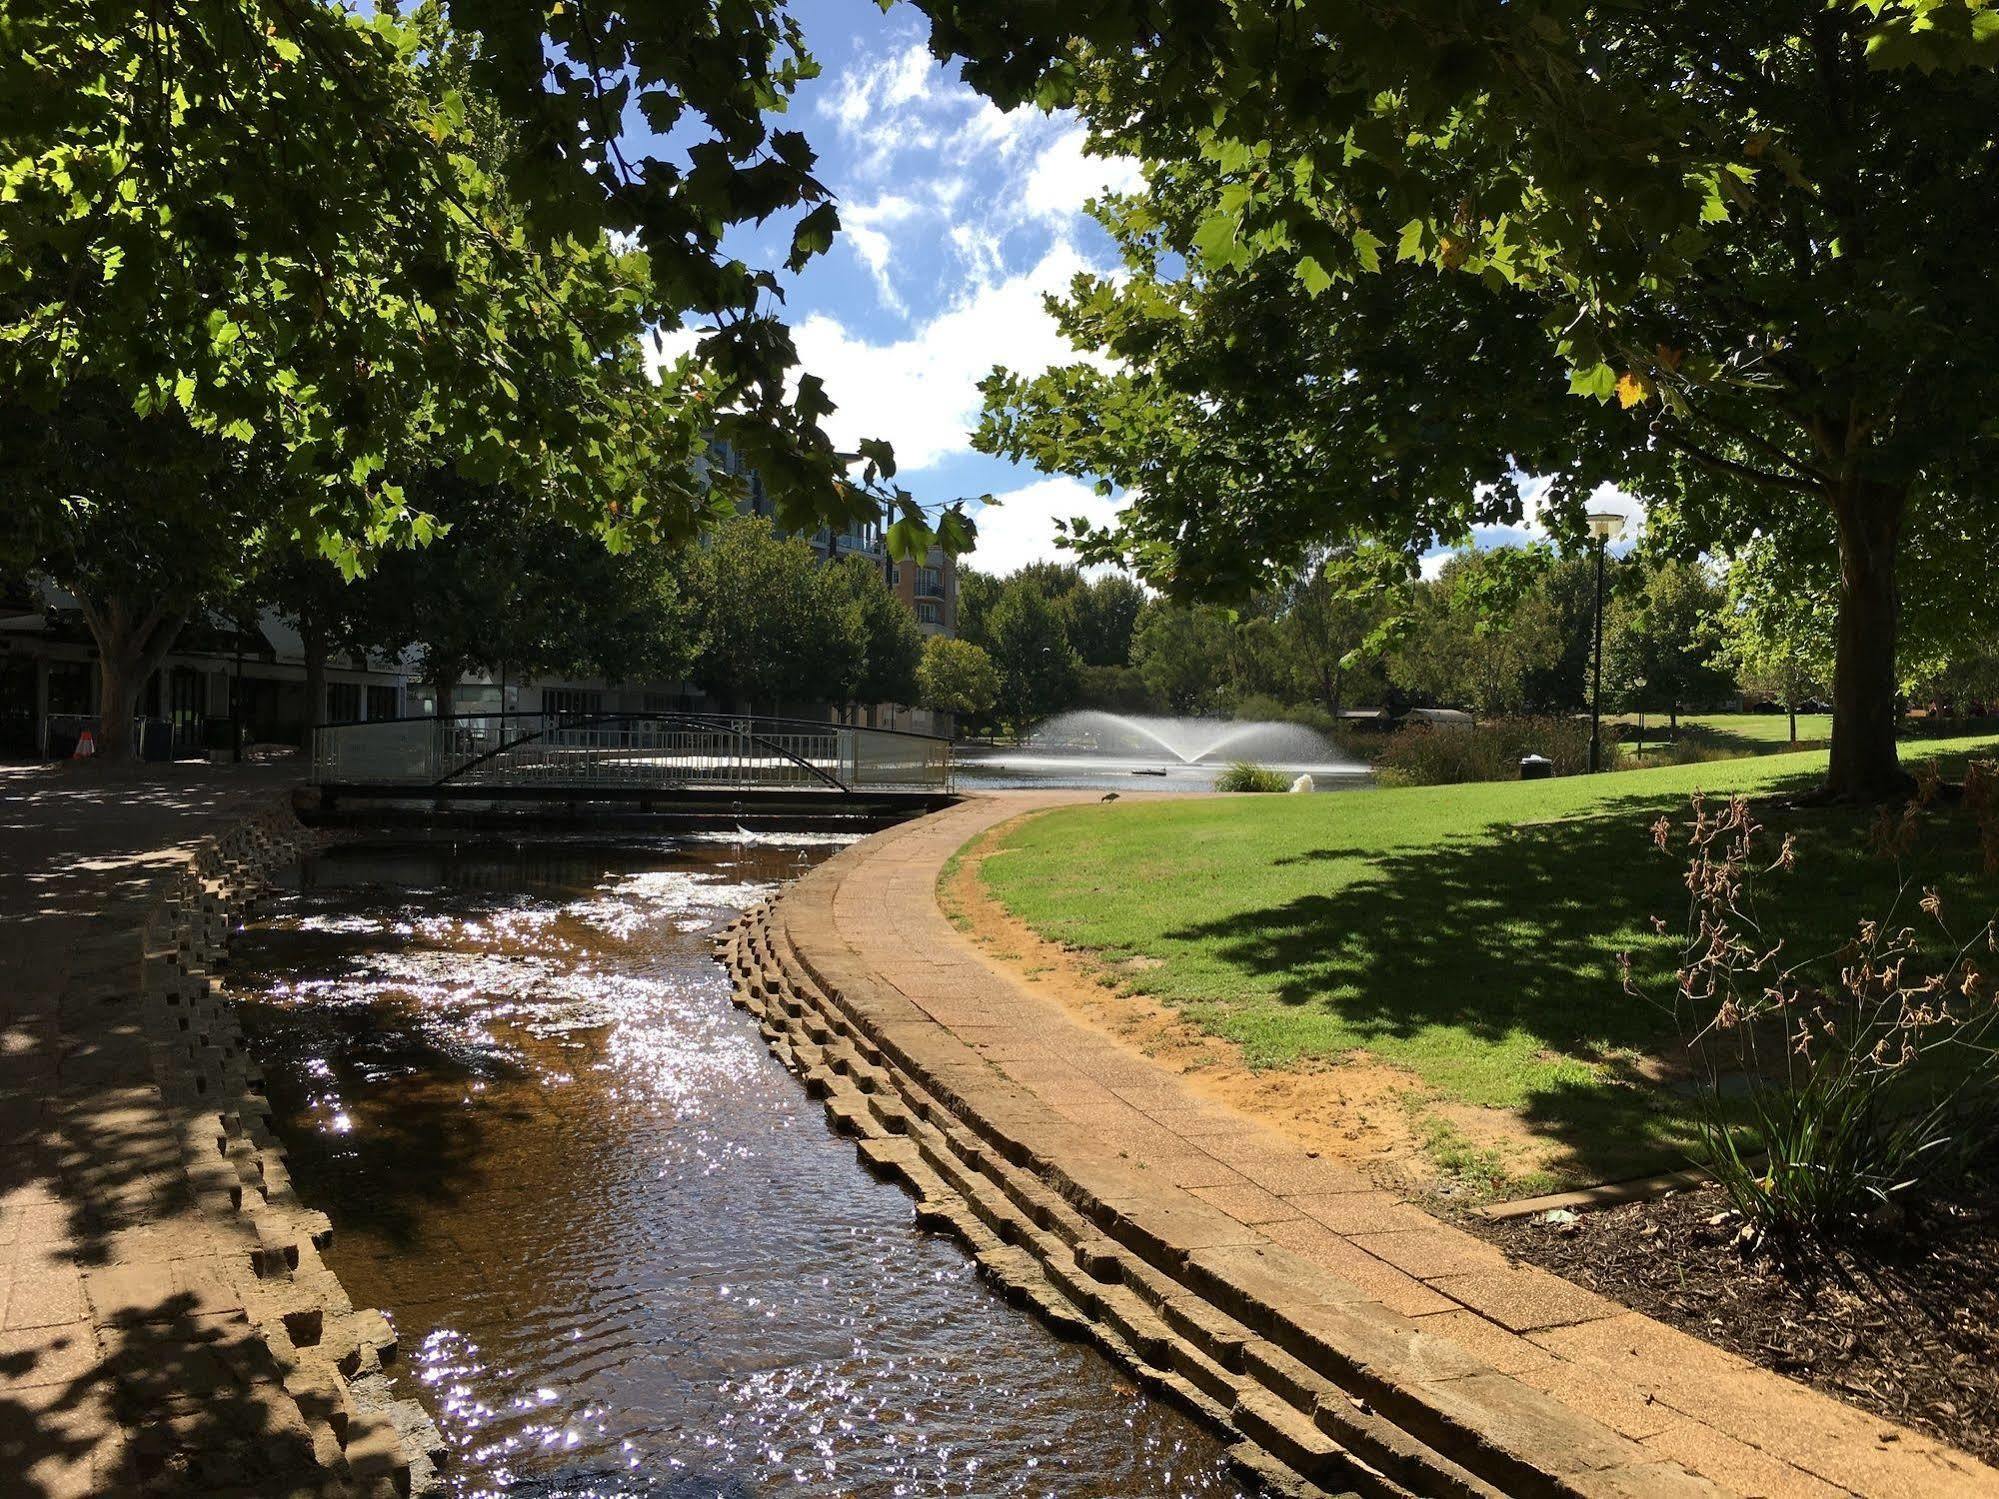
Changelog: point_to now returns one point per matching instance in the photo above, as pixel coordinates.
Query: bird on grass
(1108, 796)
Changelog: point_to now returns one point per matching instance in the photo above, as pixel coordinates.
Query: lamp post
(1603, 524)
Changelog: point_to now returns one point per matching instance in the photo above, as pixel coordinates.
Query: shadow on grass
(1516, 932)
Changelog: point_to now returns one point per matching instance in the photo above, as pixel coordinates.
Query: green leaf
(880, 456)
(813, 236)
(1599, 380)
(957, 532)
(908, 540)
(1314, 276)
(1368, 247)
(1215, 240)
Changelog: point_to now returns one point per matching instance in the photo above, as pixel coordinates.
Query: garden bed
(1908, 1329)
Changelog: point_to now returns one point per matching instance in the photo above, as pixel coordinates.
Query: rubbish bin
(156, 741)
(1536, 768)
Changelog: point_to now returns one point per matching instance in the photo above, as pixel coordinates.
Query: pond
(623, 1250)
(1094, 750)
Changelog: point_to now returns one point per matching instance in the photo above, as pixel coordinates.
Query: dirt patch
(1908, 1329)
(1355, 1109)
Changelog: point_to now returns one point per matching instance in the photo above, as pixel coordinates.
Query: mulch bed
(1907, 1327)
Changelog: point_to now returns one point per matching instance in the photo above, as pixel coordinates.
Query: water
(1117, 751)
(624, 1252)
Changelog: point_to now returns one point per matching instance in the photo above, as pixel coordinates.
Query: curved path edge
(1346, 1341)
(170, 1325)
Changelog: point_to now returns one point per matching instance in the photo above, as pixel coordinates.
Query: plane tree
(264, 264)
(1387, 258)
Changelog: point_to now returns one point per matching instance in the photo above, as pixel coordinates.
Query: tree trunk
(132, 639)
(445, 680)
(313, 644)
(1793, 705)
(1673, 719)
(1863, 766)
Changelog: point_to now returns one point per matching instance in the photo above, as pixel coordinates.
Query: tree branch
(1736, 470)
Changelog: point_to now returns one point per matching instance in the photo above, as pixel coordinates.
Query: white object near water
(1303, 783)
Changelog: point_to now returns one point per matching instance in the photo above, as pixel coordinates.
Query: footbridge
(652, 761)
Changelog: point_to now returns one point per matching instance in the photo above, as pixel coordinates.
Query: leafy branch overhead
(1387, 261)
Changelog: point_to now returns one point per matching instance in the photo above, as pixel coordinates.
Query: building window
(571, 701)
(928, 613)
(343, 702)
(382, 702)
(930, 582)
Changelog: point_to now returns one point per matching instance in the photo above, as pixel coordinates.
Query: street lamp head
(1605, 524)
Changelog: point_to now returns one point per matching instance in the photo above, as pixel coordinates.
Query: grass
(1718, 736)
(1468, 934)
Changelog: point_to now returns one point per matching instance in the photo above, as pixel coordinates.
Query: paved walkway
(157, 1283)
(868, 922)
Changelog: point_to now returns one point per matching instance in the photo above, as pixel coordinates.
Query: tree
(1103, 612)
(1115, 689)
(410, 274)
(956, 676)
(1030, 650)
(1184, 657)
(136, 574)
(211, 367)
(1569, 586)
(1366, 278)
(775, 629)
(512, 591)
(978, 592)
(886, 645)
(1777, 632)
(1476, 633)
(310, 593)
(1333, 615)
(1664, 642)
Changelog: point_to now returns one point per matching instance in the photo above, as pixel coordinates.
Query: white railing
(635, 751)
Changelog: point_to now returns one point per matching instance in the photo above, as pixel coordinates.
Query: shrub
(1420, 755)
(1832, 1090)
(1246, 775)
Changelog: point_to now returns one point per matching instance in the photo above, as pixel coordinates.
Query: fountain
(1095, 748)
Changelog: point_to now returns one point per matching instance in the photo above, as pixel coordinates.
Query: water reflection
(625, 1254)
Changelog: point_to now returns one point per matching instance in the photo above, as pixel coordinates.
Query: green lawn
(1743, 733)
(1466, 933)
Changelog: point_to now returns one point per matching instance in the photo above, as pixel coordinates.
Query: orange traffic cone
(86, 746)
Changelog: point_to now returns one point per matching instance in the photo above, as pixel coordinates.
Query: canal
(624, 1252)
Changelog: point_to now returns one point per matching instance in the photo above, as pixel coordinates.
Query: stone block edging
(860, 989)
(251, 1369)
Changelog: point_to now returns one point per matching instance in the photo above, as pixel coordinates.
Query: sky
(956, 220)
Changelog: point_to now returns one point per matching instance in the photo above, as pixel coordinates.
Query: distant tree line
(1496, 632)
(754, 618)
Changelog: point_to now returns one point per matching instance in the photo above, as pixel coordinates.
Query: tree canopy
(1387, 260)
(956, 676)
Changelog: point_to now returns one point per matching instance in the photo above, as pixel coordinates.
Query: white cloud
(902, 78)
(867, 226)
(1020, 528)
(1063, 178)
(921, 392)
(1534, 489)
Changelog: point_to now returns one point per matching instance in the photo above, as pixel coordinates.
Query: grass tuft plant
(1247, 775)
(1835, 1090)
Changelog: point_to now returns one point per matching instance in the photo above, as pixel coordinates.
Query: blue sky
(956, 219)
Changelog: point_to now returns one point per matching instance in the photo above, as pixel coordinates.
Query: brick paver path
(1745, 1429)
(118, 1323)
